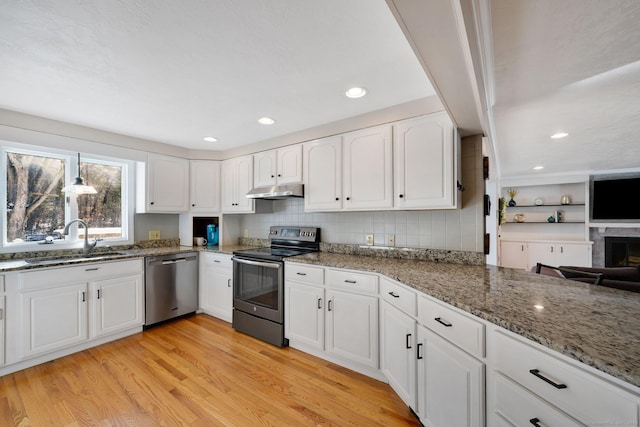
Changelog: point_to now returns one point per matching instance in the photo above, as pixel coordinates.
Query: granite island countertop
(595, 325)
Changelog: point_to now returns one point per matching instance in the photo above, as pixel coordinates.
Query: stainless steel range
(258, 282)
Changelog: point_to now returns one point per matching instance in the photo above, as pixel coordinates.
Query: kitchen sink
(75, 257)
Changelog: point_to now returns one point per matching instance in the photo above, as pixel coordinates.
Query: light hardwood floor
(195, 371)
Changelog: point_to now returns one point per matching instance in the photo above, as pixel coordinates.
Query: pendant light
(78, 186)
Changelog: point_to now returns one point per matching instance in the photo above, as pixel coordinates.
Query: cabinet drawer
(217, 260)
(461, 330)
(304, 274)
(352, 281)
(46, 277)
(578, 393)
(398, 296)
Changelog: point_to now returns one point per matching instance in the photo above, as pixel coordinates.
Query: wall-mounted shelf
(544, 222)
(545, 206)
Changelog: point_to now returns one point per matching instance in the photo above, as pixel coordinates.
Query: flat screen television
(615, 199)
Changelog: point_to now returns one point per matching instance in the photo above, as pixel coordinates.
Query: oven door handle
(256, 263)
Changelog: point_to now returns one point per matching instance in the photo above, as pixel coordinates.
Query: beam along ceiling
(566, 66)
(177, 71)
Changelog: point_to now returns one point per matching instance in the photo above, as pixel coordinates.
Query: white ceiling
(176, 71)
(572, 66)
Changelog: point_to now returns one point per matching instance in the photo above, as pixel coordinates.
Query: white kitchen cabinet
(450, 383)
(332, 321)
(559, 253)
(304, 316)
(237, 181)
(280, 166)
(204, 186)
(562, 391)
(397, 351)
(216, 285)
(368, 169)
(61, 307)
(352, 327)
(116, 304)
(54, 318)
(426, 163)
(2, 326)
(514, 254)
(322, 167)
(163, 185)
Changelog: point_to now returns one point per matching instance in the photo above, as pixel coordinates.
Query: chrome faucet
(87, 246)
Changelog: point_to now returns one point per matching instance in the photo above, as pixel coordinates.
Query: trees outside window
(36, 207)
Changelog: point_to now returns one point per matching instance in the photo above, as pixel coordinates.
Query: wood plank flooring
(195, 371)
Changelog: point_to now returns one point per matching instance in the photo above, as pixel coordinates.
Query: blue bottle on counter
(212, 235)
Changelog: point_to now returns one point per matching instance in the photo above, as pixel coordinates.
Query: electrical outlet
(154, 234)
(368, 239)
(246, 232)
(391, 239)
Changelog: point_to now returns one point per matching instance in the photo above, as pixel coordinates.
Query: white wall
(461, 229)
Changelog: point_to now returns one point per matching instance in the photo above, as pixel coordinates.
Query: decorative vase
(512, 203)
(551, 219)
(565, 200)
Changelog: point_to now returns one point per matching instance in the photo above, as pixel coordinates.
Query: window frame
(71, 208)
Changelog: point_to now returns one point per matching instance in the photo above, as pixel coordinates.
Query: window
(37, 209)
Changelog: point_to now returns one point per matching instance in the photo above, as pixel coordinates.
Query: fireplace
(621, 251)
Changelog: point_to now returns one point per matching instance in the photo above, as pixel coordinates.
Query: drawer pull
(393, 294)
(536, 422)
(301, 274)
(92, 269)
(408, 343)
(84, 297)
(228, 283)
(329, 305)
(443, 322)
(536, 372)
(319, 303)
(216, 260)
(418, 353)
(350, 281)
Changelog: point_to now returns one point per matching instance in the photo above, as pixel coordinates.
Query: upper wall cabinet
(349, 172)
(281, 166)
(425, 163)
(204, 195)
(237, 180)
(163, 185)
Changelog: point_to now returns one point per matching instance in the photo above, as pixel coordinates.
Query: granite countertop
(52, 260)
(595, 325)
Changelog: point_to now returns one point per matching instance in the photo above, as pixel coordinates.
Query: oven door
(258, 288)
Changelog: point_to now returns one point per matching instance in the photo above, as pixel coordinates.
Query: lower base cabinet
(397, 352)
(451, 384)
(216, 285)
(116, 304)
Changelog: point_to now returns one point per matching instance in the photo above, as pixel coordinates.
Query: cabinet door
(289, 164)
(244, 183)
(216, 292)
(323, 174)
(514, 254)
(352, 327)
(264, 168)
(54, 318)
(573, 254)
(397, 355)
(304, 314)
(204, 186)
(117, 304)
(424, 157)
(228, 185)
(167, 184)
(2, 326)
(544, 253)
(450, 384)
(368, 166)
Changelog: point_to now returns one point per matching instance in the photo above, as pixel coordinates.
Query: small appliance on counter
(212, 235)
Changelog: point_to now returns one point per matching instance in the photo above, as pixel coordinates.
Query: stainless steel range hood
(277, 192)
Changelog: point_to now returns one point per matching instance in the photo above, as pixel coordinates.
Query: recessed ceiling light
(537, 168)
(539, 306)
(210, 139)
(559, 135)
(266, 121)
(356, 92)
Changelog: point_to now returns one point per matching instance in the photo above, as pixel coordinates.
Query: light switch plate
(391, 239)
(368, 239)
(154, 234)
(246, 233)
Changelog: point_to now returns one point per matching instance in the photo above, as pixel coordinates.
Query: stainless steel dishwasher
(171, 286)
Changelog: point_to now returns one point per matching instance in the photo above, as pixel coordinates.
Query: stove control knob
(274, 231)
(311, 234)
(303, 234)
